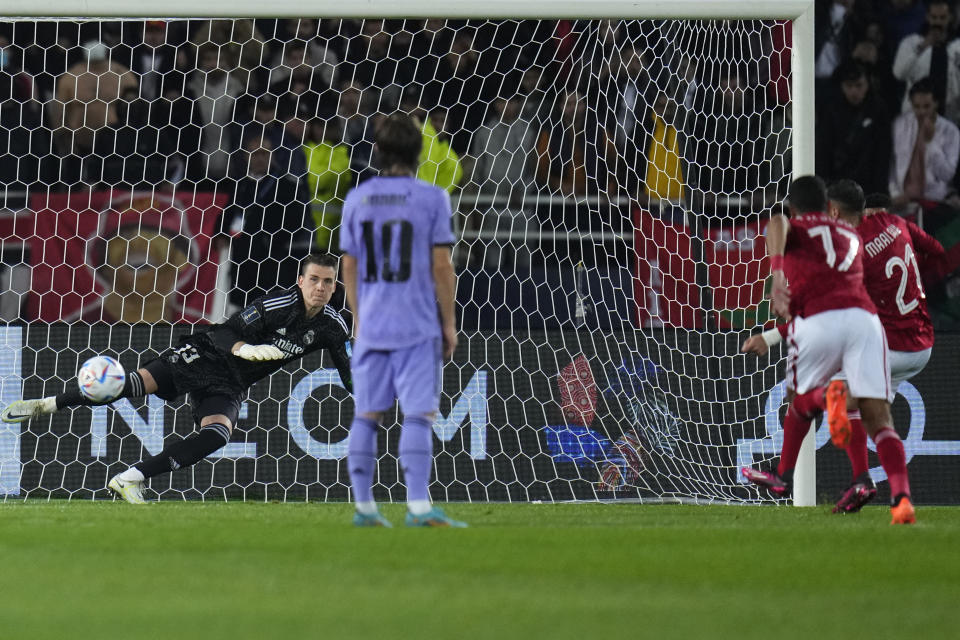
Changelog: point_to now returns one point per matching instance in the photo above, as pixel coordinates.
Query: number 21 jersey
(824, 266)
(892, 277)
(390, 225)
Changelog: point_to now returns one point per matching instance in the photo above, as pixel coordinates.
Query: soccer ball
(101, 379)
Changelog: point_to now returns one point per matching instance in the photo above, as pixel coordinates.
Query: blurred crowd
(279, 116)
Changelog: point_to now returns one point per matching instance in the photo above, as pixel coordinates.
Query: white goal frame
(800, 12)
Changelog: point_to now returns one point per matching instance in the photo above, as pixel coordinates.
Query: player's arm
(942, 153)
(348, 271)
(239, 334)
(341, 360)
(776, 239)
(349, 245)
(445, 281)
(761, 342)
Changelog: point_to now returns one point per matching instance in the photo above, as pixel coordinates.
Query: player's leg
(867, 365)
(216, 415)
(814, 356)
(418, 377)
(861, 489)
(879, 424)
(373, 394)
(138, 383)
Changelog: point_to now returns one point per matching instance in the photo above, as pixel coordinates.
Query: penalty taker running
(817, 265)
(217, 365)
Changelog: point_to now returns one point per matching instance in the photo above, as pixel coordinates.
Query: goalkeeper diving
(217, 365)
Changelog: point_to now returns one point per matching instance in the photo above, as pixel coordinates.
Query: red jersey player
(896, 253)
(817, 267)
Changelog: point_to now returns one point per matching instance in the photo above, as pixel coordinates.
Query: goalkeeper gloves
(259, 352)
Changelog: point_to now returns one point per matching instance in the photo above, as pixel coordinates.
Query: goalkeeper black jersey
(279, 319)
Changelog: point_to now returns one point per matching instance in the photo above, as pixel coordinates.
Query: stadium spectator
(328, 177)
(627, 101)
(321, 55)
(373, 64)
(573, 150)
(356, 110)
(153, 60)
(213, 94)
(538, 101)
(21, 135)
(398, 360)
(465, 71)
(272, 218)
(935, 55)
(241, 50)
(662, 159)
(297, 81)
(724, 145)
(870, 52)
(926, 148)
(832, 34)
(439, 163)
(503, 158)
(900, 19)
(84, 116)
(217, 365)
(855, 141)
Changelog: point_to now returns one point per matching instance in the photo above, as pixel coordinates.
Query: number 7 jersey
(390, 225)
(823, 265)
(892, 277)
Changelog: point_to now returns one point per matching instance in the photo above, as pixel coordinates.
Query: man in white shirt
(932, 55)
(926, 147)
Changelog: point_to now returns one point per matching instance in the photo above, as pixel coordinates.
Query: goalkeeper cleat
(857, 494)
(370, 520)
(433, 518)
(129, 490)
(22, 410)
(837, 419)
(770, 480)
(903, 512)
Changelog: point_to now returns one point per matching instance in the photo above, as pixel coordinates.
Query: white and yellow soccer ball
(101, 379)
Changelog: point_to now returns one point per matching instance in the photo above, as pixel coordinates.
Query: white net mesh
(610, 179)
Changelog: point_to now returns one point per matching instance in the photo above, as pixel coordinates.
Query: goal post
(673, 372)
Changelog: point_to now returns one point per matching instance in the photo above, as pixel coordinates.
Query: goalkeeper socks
(416, 454)
(893, 459)
(857, 449)
(187, 452)
(795, 427)
(362, 461)
(132, 388)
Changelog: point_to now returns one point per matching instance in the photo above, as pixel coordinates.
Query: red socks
(893, 459)
(802, 410)
(857, 449)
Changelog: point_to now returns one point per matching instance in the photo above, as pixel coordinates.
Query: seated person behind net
(270, 211)
(216, 365)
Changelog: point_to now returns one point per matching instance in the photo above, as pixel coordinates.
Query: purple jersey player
(396, 236)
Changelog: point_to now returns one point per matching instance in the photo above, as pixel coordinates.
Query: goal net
(611, 180)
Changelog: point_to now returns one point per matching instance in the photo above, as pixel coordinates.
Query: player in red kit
(817, 267)
(895, 254)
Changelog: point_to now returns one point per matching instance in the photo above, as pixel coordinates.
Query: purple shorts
(412, 375)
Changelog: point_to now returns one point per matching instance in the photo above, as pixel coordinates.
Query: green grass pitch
(239, 570)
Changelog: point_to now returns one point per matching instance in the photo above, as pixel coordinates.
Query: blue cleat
(433, 518)
(374, 520)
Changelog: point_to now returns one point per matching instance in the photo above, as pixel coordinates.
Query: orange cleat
(837, 414)
(903, 512)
